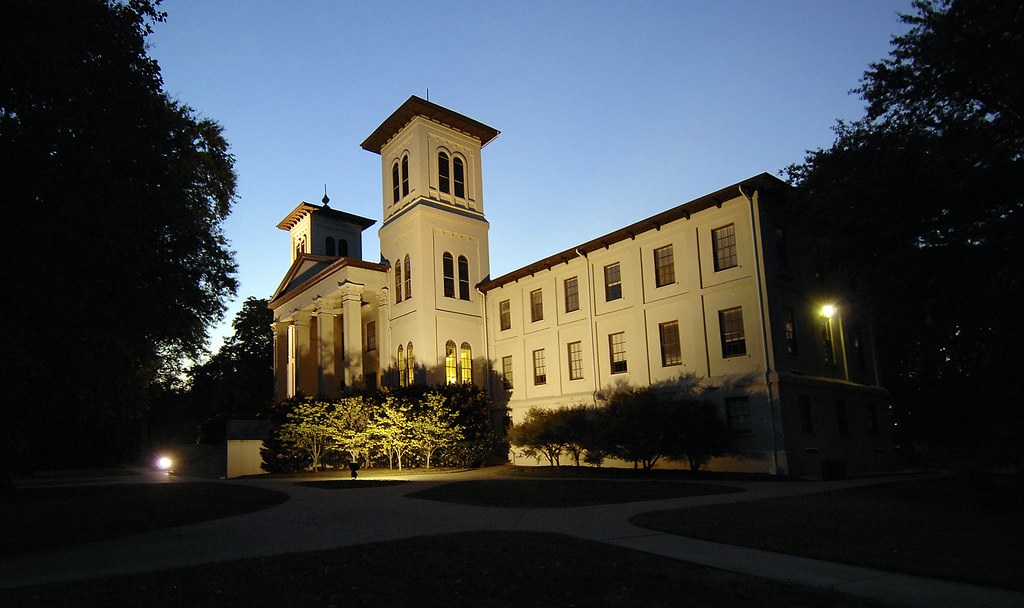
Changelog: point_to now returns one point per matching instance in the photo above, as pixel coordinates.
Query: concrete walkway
(323, 519)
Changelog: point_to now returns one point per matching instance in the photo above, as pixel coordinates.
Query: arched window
(451, 363)
(343, 248)
(405, 175)
(459, 177)
(466, 363)
(444, 180)
(448, 270)
(396, 178)
(463, 278)
(398, 282)
(410, 362)
(329, 246)
(408, 278)
(401, 366)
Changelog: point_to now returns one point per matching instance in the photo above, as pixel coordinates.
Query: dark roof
(762, 182)
(414, 107)
(308, 269)
(308, 208)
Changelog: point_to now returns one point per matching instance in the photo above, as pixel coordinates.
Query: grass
(47, 517)
(548, 494)
(954, 528)
(467, 569)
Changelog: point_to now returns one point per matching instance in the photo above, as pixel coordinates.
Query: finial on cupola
(325, 200)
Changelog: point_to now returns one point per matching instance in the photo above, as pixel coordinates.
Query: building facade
(718, 291)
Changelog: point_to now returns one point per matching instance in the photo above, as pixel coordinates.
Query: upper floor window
(671, 353)
(789, 327)
(781, 249)
(572, 294)
(408, 278)
(398, 282)
(505, 315)
(459, 177)
(371, 336)
(451, 175)
(463, 278)
(540, 375)
(617, 349)
(400, 178)
(444, 173)
(343, 248)
(612, 282)
(664, 266)
(724, 242)
(506, 371)
(329, 246)
(730, 325)
(536, 305)
(405, 175)
(448, 272)
(466, 363)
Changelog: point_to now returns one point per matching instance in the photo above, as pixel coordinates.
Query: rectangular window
(789, 325)
(506, 371)
(664, 266)
(505, 315)
(724, 242)
(826, 340)
(738, 411)
(536, 305)
(371, 336)
(806, 419)
(540, 375)
(572, 295)
(617, 348)
(448, 270)
(575, 361)
(730, 324)
(612, 282)
(670, 351)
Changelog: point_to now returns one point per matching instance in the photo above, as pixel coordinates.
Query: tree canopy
(921, 204)
(114, 198)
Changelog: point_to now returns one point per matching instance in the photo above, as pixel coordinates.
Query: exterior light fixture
(828, 310)
(164, 463)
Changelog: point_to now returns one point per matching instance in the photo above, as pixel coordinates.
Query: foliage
(352, 430)
(434, 426)
(310, 428)
(118, 197)
(920, 204)
(391, 429)
(639, 425)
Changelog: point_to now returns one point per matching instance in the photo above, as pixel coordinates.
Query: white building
(718, 288)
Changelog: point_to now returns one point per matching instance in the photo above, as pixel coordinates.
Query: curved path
(316, 519)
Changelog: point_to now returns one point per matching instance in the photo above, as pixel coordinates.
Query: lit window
(617, 348)
(448, 271)
(451, 372)
(664, 266)
(789, 326)
(465, 363)
(536, 305)
(505, 315)
(506, 371)
(459, 177)
(737, 410)
(463, 278)
(575, 360)
(670, 351)
(539, 372)
(408, 278)
(612, 282)
(724, 242)
(402, 378)
(410, 364)
(444, 179)
(730, 324)
(572, 295)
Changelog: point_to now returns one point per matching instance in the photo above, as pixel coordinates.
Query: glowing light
(828, 310)
(164, 463)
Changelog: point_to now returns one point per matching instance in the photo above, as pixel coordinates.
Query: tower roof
(414, 107)
(305, 208)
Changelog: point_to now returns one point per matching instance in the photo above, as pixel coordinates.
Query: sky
(609, 111)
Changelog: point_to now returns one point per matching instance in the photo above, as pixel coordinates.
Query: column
(352, 332)
(327, 338)
(281, 354)
(304, 357)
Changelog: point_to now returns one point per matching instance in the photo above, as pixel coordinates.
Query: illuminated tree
(435, 426)
(311, 426)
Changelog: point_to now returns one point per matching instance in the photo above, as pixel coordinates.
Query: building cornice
(281, 296)
(414, 107)
(304, 209)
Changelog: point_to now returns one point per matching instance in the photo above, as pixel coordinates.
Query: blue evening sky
(609, 112)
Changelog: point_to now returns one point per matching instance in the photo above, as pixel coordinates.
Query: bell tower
(434, 239)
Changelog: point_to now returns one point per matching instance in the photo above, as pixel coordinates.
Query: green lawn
(46, 517)
(954, 528)
(495, 569)
(534, 493)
